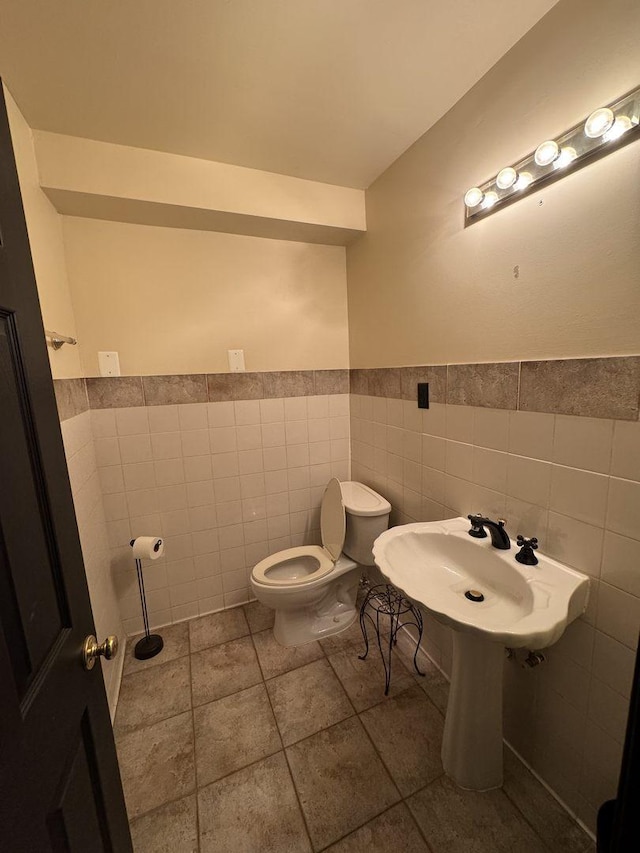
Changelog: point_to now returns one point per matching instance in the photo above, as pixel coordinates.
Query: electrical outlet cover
(109, 363)
(236, 360)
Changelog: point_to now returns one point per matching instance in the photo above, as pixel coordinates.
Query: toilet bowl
(313, 588)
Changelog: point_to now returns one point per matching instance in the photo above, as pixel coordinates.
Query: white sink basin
(435, 563)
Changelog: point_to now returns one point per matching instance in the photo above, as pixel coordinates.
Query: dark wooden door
(59, 780)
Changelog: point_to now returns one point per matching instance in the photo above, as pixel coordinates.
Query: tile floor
(231, 743)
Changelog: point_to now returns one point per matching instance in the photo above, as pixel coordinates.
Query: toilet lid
(332, 519)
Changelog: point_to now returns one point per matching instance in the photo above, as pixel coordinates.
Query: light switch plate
(423, 395)
(236, 360)
(109, 363)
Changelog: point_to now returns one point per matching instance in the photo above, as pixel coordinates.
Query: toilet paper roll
(147, 547)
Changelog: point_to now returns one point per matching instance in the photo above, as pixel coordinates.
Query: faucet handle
(477, 530)
(527, 547)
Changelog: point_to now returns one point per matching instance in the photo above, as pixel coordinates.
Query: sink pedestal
(472, 742)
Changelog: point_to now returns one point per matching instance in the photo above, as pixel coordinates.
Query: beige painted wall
(47, 250)
(174, 301)
(422, 289)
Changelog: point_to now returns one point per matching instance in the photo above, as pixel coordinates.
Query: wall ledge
(99, 180)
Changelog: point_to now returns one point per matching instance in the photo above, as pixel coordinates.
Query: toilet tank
(367, 515)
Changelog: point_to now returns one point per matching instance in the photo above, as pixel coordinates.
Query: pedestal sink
(435, 564)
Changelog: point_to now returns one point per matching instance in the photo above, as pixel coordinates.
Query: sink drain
(474, 595)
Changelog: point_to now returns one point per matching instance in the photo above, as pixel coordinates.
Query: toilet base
(297, 627)
(309, 612)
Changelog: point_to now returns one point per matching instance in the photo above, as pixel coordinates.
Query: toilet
(313, 588)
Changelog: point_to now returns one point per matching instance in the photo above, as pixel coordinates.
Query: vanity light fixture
(490, 199)
(605, 129)
(524, 179)
(599, 122)
(546, 153)
(506, 178)
(473, 197)
(567, 155)
(621, 125)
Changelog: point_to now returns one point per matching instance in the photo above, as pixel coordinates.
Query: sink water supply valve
(532, 659)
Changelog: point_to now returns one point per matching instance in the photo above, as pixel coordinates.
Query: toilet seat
(299, 566)
(294, 566)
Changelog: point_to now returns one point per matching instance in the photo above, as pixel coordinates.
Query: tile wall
(87, 498)
(572, 481)
(225, 483)
(229, 468)
(226, 467)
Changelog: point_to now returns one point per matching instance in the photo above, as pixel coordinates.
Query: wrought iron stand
(385, 601)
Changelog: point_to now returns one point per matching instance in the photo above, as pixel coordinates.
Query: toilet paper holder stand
(151, 644)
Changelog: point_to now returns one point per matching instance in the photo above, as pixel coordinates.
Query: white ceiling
(330, 90)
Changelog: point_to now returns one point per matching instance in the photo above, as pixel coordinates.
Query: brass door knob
(92, 650)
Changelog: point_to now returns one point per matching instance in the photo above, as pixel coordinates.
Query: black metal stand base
(148, 647)
(151, 644)
(393, 611)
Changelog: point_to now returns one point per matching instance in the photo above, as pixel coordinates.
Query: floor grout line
(193, 731)
(360, 826)
(530, 824)
(298, 800)
(286, 757)
(413, 817)
(525, 818)
(238, 770)
(193, 793)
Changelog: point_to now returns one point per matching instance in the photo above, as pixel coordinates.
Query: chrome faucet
(499, 536)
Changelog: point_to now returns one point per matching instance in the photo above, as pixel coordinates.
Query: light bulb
(566, 156)
(506, 178)
(620, 126)
(524, 179)
(598, 122)
(490, 199)
(473, 197)
(546, 152)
